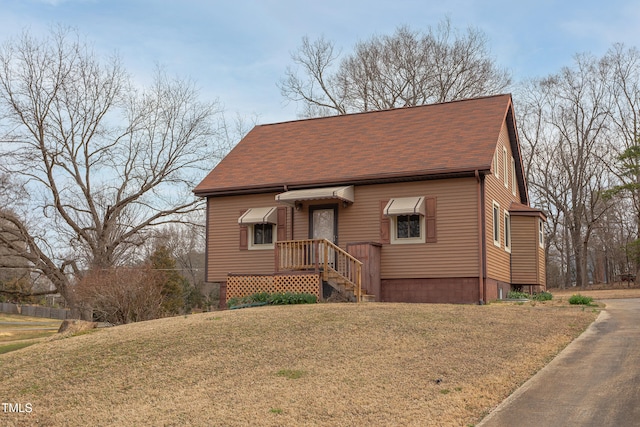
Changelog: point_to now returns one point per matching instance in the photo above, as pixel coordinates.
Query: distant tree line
(581, 139)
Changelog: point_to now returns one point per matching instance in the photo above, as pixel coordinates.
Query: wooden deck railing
(321, 256)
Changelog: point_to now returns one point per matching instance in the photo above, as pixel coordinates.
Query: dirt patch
(314, 365)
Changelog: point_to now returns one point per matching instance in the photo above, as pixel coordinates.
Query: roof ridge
(406, 107)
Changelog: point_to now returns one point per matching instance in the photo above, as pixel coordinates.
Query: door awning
(405, 206)
(259, 216)
(346, 194)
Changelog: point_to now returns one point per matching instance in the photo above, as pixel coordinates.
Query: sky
(236, 51)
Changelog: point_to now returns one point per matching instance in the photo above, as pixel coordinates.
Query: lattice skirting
(243, 285)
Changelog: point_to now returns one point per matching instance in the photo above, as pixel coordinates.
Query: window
(409, 220)
(495, 164)
(540, 233)
(258, 228)
(514, 181)
(408, 226)
(496, 224)
(407, 229)
(262, 234)
(507, 232)
(505, 167)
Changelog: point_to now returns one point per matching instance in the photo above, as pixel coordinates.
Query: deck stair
(345, 287)
(338, 268)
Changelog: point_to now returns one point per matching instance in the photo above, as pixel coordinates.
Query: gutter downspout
(481, 284)
(206, 234)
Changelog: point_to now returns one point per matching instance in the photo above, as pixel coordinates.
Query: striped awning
(345, 194)
(259, 216)
(405, 206)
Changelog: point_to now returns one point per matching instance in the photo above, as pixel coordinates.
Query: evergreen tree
(174, 285)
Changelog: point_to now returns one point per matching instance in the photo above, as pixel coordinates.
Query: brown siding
(525, 247)
(455, 252)
(542, 272)
(453, 255)
(223, 244)
(498, 258)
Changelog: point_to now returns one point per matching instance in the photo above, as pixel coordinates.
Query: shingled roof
(438, 140)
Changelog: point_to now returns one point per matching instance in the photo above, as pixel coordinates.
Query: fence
(39, 311)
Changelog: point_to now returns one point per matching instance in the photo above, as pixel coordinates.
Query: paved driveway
(595, 381)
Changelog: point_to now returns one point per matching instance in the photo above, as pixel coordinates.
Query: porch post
(326, 259)
(316, 256)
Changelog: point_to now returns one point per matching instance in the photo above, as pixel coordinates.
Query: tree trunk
(576, 243)
(585, 264)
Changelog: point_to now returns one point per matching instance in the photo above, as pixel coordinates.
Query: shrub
(290, 298)
(580, 300)
(543, 296)
(518, 295)
(278, 298)
(122, 295)
(260, 297)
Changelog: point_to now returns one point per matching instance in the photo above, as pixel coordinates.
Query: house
(415, 204)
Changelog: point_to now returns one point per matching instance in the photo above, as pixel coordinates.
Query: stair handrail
(304, 254)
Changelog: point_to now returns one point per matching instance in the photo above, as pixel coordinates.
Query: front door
(323, 224)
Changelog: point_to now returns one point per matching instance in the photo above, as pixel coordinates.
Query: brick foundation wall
(458, 290)
(494, 287)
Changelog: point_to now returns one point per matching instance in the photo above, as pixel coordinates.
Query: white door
(323, 226)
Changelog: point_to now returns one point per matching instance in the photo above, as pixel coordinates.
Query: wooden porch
(302, 266)
(339, 269)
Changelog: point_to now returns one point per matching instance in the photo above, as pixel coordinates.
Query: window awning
(259, 216)
(405, 206)
(345, 194)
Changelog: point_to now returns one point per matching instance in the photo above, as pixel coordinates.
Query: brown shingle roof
(520, 209)
(436, 139)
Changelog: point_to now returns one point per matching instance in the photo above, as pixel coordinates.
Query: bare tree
(624, 86)
(566, 135)
(103, 161)
(407, 68)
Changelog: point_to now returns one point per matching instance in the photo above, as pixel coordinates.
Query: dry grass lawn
(22, 331)
(598, 292)
(315, 365)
